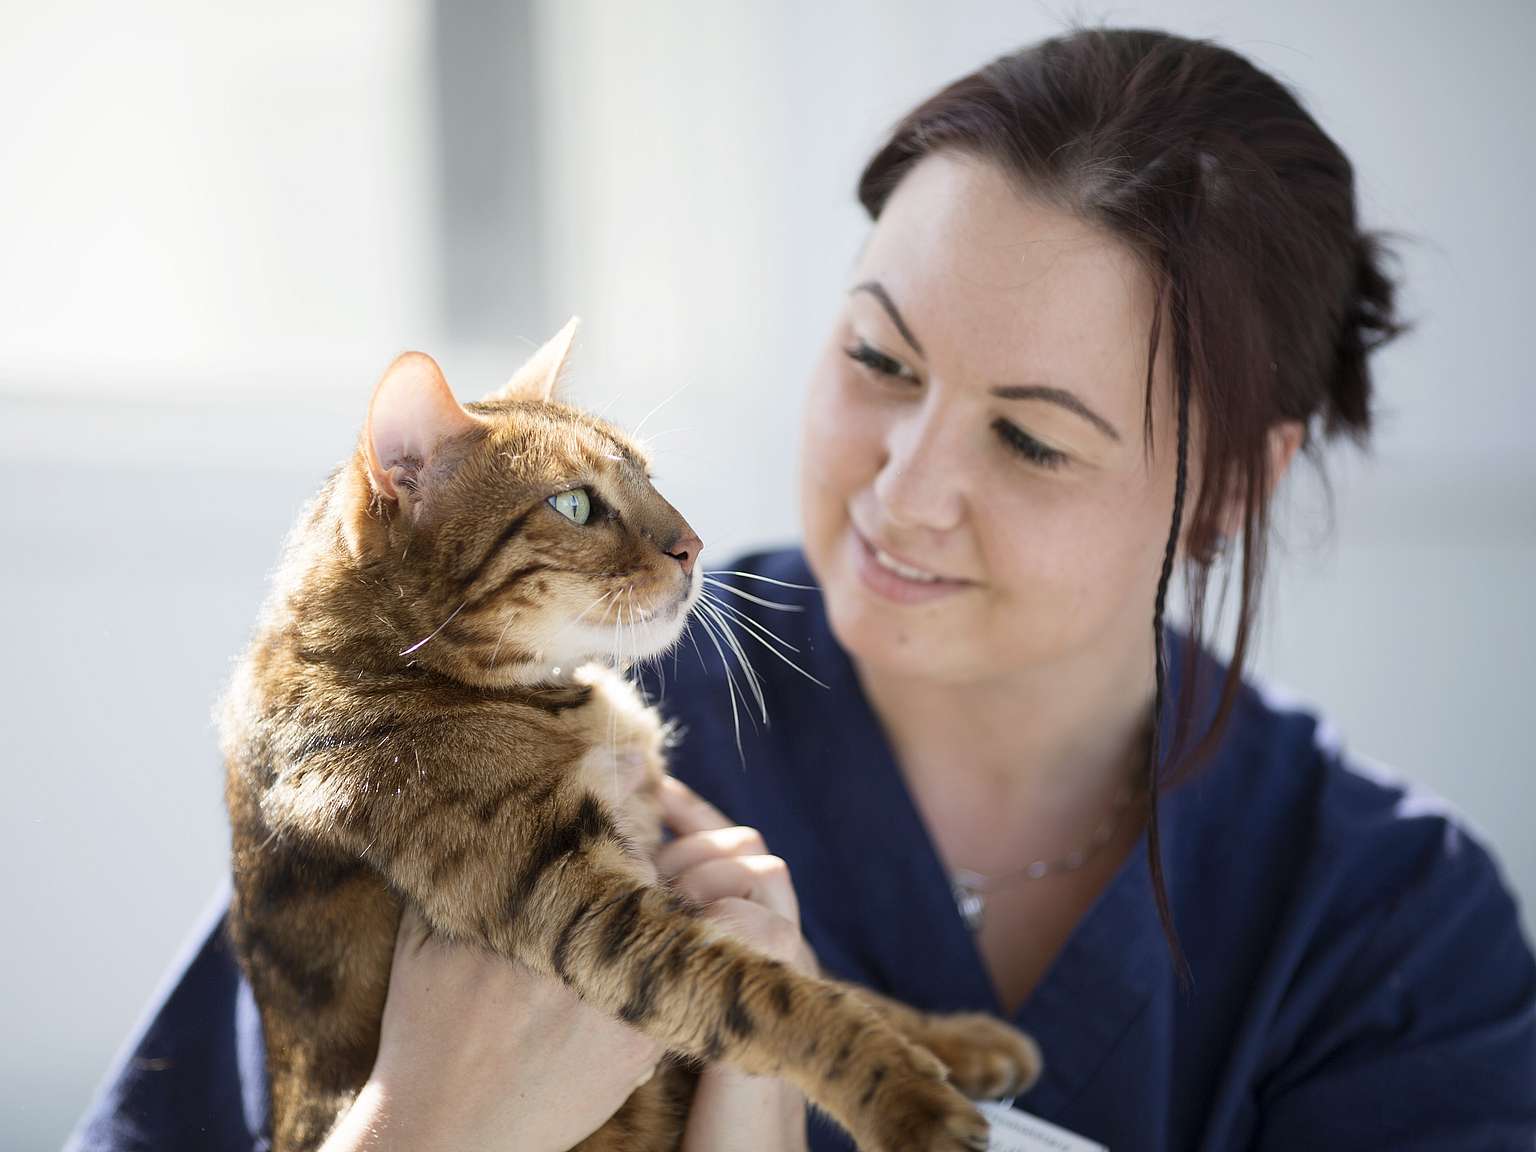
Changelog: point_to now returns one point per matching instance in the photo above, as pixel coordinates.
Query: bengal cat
(428, 712)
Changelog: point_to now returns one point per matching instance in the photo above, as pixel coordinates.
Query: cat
(428, 712)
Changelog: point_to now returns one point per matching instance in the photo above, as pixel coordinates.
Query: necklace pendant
(970, 904)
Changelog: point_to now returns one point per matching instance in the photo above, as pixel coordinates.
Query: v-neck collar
(920, 950)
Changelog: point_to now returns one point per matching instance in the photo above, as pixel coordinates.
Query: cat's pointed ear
(536, 380)
(411, 414)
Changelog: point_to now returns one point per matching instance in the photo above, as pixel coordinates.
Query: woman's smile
(896, 579)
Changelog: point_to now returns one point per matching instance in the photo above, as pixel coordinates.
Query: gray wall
(212, 254)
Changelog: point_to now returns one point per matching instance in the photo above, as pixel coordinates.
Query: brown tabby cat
(419, 718)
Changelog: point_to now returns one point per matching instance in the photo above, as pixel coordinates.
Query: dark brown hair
(1243, 211)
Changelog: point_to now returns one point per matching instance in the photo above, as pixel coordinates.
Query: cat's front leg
(626, 759)
(638, 952)
(987, 1058)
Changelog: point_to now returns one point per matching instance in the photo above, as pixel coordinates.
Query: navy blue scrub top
(1360, 980)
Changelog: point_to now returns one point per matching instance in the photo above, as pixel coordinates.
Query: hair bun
(1370, 320)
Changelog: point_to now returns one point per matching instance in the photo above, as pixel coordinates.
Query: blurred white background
(218, 224)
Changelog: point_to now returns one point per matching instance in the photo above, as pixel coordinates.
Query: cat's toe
(929, 1116)
(986, 1058)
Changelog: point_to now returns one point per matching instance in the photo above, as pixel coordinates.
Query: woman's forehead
(1009, 286)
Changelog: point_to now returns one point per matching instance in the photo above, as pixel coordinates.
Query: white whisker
(761, 634)
(627, 633)
(647, 441)
(753, 680)
(731, 689)
(502, 635)
(694, 640)
(741, 617)
(589, 608)
(721, 584)
(614, 656)
(675, 393)
(436, 630)
(571, 623)
(764, 579)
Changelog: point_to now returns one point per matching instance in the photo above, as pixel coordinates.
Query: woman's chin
(904, 641)
(897, 626)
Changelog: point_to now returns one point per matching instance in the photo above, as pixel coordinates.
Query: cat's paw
(926, 1115)
(987, 1059)
(908, 1106)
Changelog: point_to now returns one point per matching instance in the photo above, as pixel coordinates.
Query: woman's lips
(886, 579)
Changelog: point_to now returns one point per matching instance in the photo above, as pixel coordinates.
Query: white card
(1015, 1131)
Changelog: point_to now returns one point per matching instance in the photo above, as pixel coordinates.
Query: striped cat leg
(318, 954)
(987, 1058)
(635, 950)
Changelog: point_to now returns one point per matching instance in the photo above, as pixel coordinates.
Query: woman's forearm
(733, 1112)
(360, 1129)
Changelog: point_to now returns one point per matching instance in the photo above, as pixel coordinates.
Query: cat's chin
(637, 636)
(642, 640)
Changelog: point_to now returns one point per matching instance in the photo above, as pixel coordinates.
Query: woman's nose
(921, 480)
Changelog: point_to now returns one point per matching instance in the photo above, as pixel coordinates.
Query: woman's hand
(478, 1053)
(747, 892)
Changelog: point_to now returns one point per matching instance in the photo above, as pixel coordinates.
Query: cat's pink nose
(685, 550)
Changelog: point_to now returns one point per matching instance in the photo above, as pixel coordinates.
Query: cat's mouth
(671, 608)
(636, 629)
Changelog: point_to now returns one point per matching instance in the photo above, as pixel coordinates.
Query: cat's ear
(536, 380)
(411, 414)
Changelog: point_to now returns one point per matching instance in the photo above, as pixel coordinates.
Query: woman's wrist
(734, 1112)
(384, 1120)
(362, 1127)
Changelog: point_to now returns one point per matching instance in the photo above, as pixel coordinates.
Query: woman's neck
(1029, 761)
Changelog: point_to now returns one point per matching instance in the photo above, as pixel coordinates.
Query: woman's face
(976, 495)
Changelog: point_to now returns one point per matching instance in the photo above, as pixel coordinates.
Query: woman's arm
(478, 1052)
(733, 1112)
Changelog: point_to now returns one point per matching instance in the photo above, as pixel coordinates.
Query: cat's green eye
(574, 505)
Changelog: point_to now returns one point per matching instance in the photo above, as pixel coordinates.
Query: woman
(1114, 284)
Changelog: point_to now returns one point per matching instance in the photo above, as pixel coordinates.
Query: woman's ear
(1284, 440)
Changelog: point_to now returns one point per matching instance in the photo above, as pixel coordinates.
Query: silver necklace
(971, 889)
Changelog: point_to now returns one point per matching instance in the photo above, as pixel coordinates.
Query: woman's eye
(1027, 446)
(575, 505)
(876, 361)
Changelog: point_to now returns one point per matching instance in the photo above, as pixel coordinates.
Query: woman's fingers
(762, 928)
(683, 853)
(727, 870)
(685, 811)
(763, 880)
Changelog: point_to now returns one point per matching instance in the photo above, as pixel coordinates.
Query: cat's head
(526, 533)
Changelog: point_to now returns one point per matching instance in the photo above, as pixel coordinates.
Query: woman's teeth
(905, 571)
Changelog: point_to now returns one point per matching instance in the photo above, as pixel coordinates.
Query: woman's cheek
(821, 485)
(835, 434)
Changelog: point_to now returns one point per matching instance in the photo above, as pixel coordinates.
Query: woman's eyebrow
(1068, 400)
(1061, 396)
(877, 290)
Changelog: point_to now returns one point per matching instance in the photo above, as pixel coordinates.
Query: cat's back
(313, 684)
